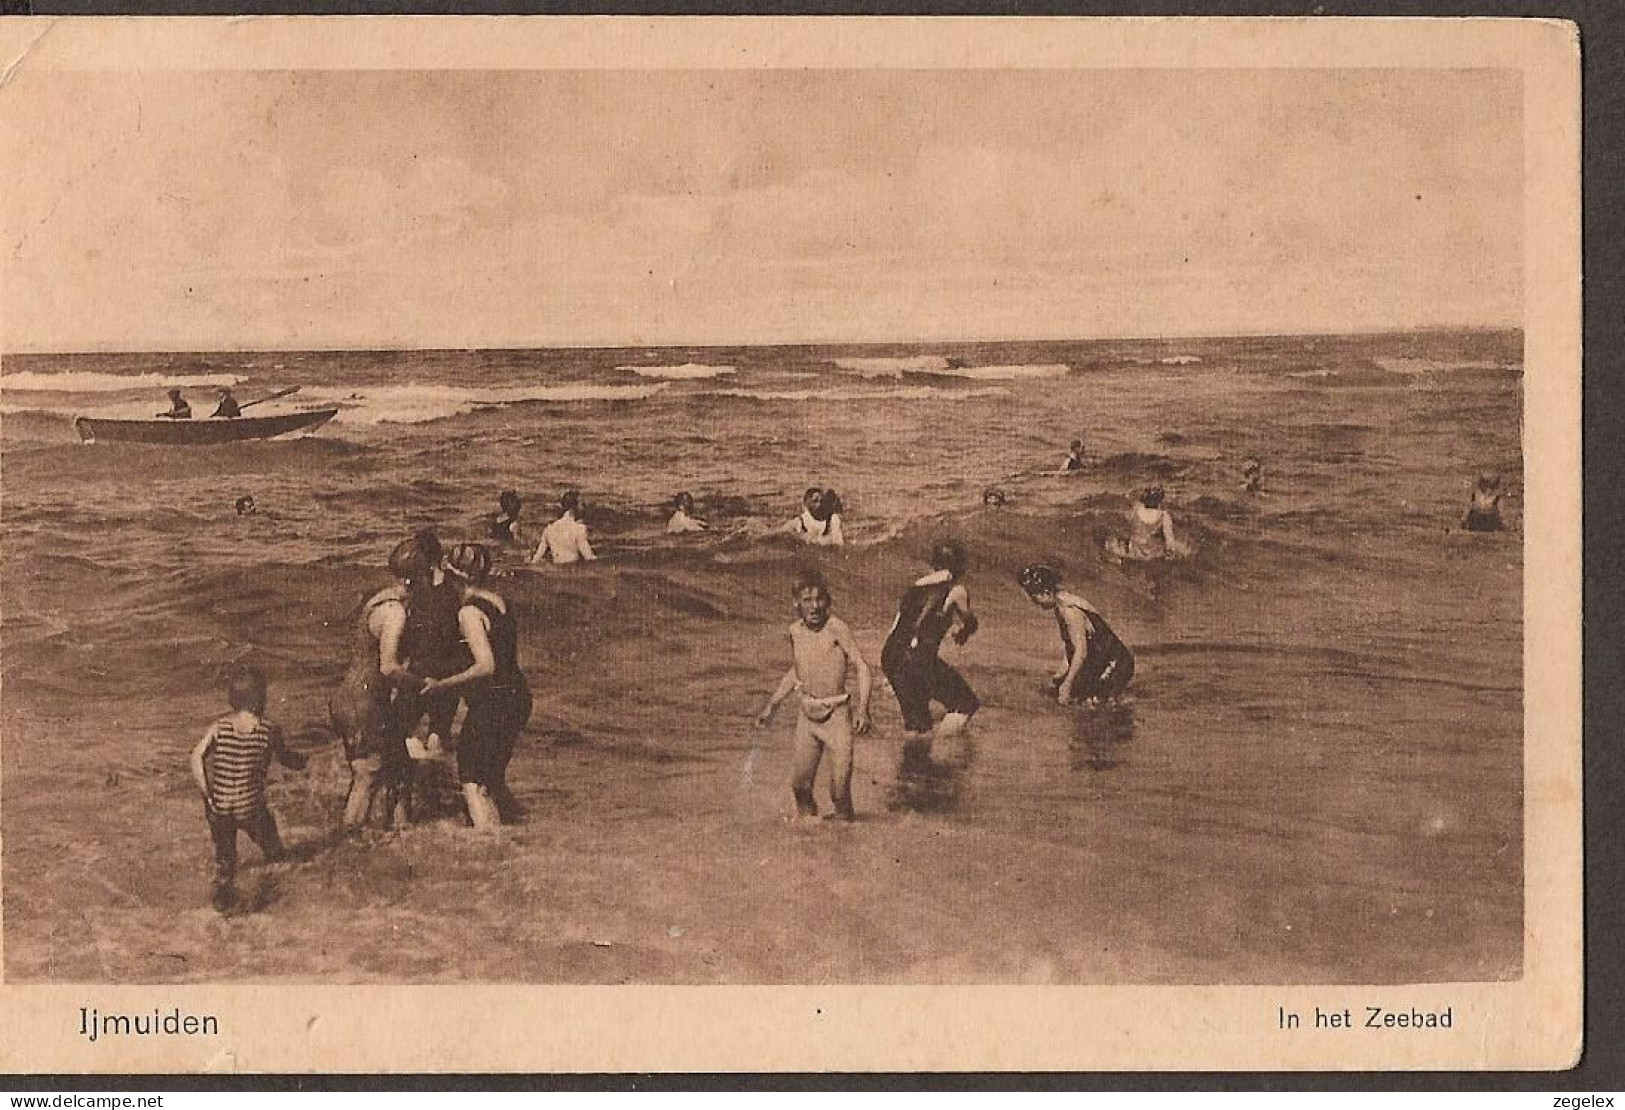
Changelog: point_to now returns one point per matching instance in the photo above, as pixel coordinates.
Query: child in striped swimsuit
(230, 766)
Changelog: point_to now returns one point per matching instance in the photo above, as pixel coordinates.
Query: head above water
(409, 562)
(1251, 466)
(829, 503)
(508, 501)
(1151, 496)
(245, 688)
(948, 555)
(471, 562)
(570, 502)
(684, 502)
(993, 497)
(1039, 579)
(429, 543)
(245, 504)
(811, 498)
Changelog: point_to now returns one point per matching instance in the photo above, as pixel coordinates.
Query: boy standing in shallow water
(229, 766)
(821, 647)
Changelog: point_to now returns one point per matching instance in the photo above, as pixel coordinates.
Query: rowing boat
(200, 433)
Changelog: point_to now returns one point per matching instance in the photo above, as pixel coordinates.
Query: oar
(272, 397)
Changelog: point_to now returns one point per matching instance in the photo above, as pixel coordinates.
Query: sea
(1318, 777)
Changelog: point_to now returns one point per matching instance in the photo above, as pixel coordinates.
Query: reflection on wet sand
(932, 775)
(1101, 737)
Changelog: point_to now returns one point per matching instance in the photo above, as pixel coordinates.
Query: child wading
(230, 766)
(1098, 665)
(821, 648)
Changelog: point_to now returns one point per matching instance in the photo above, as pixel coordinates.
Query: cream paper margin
(1533, 1023)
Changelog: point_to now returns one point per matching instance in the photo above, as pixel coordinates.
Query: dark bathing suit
(432, 645)
(1109, 664)
(502, 529)
(498, 706)
(361, 709)
(909, 659)
(365, 717)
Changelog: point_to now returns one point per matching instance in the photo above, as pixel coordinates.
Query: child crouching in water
(230, 766)
(821, 647)
(1098, 665)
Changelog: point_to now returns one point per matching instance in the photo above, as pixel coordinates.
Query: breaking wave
(419, 404)
(838, 393)
(1011, 373)
(84, 381)
(686, 372)
(893, 367)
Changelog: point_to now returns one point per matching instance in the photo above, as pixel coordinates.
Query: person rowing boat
(178, 408)
(177, 428)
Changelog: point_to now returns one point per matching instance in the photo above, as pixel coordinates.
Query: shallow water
(1319, 778)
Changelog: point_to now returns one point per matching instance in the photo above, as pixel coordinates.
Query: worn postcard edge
(1531, 1023)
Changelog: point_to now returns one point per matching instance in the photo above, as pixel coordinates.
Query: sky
(333, 209)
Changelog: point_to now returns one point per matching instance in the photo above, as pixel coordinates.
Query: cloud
(270, 209)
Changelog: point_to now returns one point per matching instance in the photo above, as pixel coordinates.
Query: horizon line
(1178, 338)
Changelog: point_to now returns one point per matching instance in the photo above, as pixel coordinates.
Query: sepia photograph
(653, 514)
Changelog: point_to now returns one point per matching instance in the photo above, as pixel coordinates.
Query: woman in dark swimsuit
(505, 525)
(928, 610)
(362, 708)
(431, 644)
(492, 685)
(1098, 665)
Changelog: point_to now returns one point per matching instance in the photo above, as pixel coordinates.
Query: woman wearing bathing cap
(683, 519)
(362, 708)
(504, 527)
(492, 686)
(1098, 665)
(430, 643)
(828, 513)
(820, 519)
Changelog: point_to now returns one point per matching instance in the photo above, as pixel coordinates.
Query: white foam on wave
(9, 409)
(1415, 367)
(1166, 360)
(938, 366)
(131, 410)
(1412, 367)
(1012, 373)
(419, 404)
(893, 367)
(85, 381)
(913, 393)
(687, 371)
